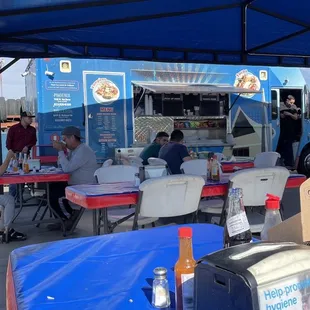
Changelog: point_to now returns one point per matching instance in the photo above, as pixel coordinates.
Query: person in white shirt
(80, 163)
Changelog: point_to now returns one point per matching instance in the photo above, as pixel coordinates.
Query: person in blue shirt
(152, 150)
(175, 152)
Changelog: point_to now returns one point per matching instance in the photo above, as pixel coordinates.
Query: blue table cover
(104, 272)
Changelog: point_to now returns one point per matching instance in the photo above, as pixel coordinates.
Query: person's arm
(33, 140)
(69, 166)
(184, 153)
(9, 139)
(6, 162)
(293, 116)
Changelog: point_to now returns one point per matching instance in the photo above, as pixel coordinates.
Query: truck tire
(304, 162)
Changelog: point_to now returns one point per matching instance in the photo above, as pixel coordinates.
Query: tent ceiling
(178, 88)
(265, 32)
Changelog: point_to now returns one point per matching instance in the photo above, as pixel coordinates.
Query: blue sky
(13, 83)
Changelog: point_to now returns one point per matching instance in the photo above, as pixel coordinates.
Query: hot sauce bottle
(184, 271)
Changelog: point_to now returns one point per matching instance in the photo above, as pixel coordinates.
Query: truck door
(275, 117)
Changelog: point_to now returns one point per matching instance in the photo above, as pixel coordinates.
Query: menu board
(105, 103)
(62, 104)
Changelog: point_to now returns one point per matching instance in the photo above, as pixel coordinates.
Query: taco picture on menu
(247, 80)
(105, 91)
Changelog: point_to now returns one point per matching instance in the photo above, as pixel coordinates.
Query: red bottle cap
(272, 202)
(185, 232)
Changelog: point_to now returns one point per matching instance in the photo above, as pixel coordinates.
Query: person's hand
(58, 146)
(25, 149)
(10, 155)
(287, 113)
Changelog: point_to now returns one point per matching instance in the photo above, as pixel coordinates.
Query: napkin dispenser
(269, 276)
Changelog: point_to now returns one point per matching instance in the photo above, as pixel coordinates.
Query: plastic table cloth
(117, 194)
(229, 167)
(16, 178)
(106, 272)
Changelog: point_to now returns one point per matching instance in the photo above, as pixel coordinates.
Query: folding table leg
(81, 211)
(106, 229)
(51, 209)
(95, 222)
(99, 222)
(19, 188)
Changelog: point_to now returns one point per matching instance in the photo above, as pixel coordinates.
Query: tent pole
(11, 63)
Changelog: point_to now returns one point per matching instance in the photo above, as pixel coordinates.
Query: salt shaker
(161, 295)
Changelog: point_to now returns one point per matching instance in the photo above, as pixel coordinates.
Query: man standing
(80, 163)
(175, 152)
(289, 114)
(152, 150)
(21, 138)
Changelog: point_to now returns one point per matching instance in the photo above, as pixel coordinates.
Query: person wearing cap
(81, 164)
(21, 138)
(153, 149)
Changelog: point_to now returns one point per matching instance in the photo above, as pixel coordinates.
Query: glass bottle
(215, 169)
(161, 294)
(20, 161)
(184, 271)
(25, 164)
(15, 164)
(237, 229)
(272, 215)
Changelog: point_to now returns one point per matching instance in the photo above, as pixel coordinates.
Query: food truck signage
(104, 97)
(209, 98)
(172, 97)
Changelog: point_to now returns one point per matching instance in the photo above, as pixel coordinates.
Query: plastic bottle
(184, 271)
(237, 229)
(272, 215)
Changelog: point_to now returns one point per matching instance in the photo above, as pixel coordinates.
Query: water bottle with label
(237, 229)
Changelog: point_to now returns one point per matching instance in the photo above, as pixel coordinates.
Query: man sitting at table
(175, 152)
(8, 204)
(80, 163)
(153, 149)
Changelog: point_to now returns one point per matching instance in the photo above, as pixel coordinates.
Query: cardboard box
(296, 228)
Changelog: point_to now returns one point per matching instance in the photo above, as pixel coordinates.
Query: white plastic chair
(195, 167)
(120, 173)
(135, 161)
(107, 163)
(169, 196)
(220, 156)
(256, 183)
(117, 173)
(155, 171)
(266, 159)
(153, 161)
(211, 207)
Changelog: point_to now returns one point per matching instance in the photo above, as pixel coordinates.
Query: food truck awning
(252, 32)
(178, 88)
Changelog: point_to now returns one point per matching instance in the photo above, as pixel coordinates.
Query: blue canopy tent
(262, 32)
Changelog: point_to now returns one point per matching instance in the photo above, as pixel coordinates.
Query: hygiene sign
(292, 293)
